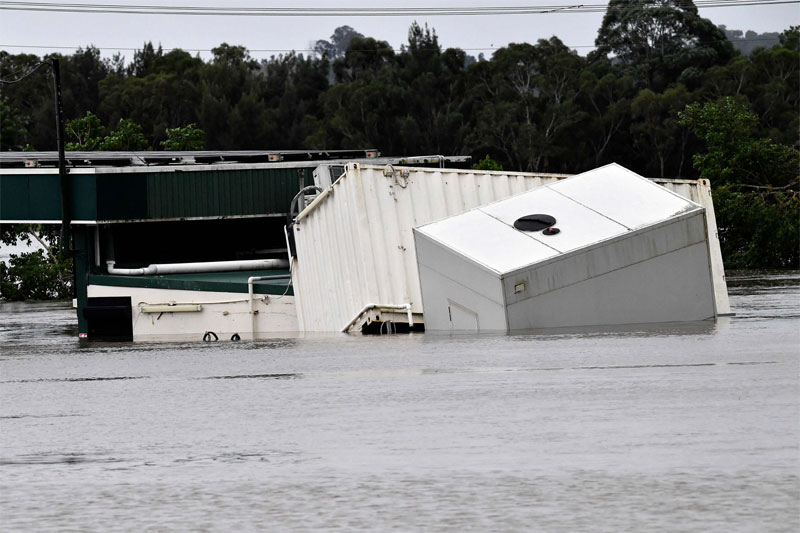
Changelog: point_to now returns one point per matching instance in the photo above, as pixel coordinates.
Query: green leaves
(87, 133)
(128, 137)
(758, 228)
(184, 139)
(733, 155)
(34, 275)
(487, 163)
(755, 185)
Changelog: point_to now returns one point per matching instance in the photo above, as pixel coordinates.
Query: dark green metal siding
(173, 194)
(84, 197)
(222, 192)
(14, 198)
(38, 197)
(121, 196)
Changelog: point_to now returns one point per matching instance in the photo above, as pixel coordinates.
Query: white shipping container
(627, 251)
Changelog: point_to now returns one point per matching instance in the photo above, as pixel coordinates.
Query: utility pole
(66, 190)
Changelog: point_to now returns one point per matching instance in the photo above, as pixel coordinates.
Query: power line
(28, 74)
(371, 11)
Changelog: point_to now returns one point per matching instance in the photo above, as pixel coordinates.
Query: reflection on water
(687, 427)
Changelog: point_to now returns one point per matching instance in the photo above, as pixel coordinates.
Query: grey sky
(476, 34)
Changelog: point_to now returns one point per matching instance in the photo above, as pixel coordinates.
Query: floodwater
(689, 427)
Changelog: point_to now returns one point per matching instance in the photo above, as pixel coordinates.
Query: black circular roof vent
(551, 231)
(534, 222)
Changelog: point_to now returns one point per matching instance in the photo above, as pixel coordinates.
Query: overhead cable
(367, 11)
(26, 75)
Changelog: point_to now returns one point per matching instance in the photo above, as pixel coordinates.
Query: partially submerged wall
(355, 244)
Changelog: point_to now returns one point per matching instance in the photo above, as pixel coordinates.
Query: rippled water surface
(691, 427)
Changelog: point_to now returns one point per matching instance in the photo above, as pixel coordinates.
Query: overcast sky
(266, 36)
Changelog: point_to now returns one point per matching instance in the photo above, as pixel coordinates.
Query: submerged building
(239, 245)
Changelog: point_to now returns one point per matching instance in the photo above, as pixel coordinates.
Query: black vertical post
(66, 196)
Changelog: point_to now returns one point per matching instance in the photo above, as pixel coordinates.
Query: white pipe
(190, 268)
(403, 307)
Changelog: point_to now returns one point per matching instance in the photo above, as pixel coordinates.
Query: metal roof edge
(605, 242)
(651, 181)
(468, 259)
(452, 250)
(371, 165)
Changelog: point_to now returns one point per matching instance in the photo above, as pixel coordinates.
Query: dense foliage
(665, 94)
(536, 106)
(41, 274)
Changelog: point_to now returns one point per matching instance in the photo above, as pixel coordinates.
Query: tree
(487, 163)
(755, 185)
(758, 227)
(36, 275)
(365, 55)
(775, 91)
(790, 38)
(186, 138)
(30, 101)
(12, 129)
(144, 60)
(338, 44)
(87, 132)
(656, 129)
(81, 74)
(525, 102)
(606, 102)
(733, 154)
(660, 42)
(248, 115)
(128, 136)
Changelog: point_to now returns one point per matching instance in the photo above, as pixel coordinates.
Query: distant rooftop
(207, 157)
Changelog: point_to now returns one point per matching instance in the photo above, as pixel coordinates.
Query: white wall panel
(224, 313)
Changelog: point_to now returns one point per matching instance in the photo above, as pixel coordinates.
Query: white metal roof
(623, 196)
(589, 208)
(487, 240)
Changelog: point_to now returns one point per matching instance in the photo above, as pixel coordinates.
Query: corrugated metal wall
(223, 193)
(174, 194)
(170, 193)
(355, 244)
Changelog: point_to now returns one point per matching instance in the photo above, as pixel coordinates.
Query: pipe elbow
(126, 271)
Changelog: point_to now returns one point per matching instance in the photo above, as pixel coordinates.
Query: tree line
(664, 93)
